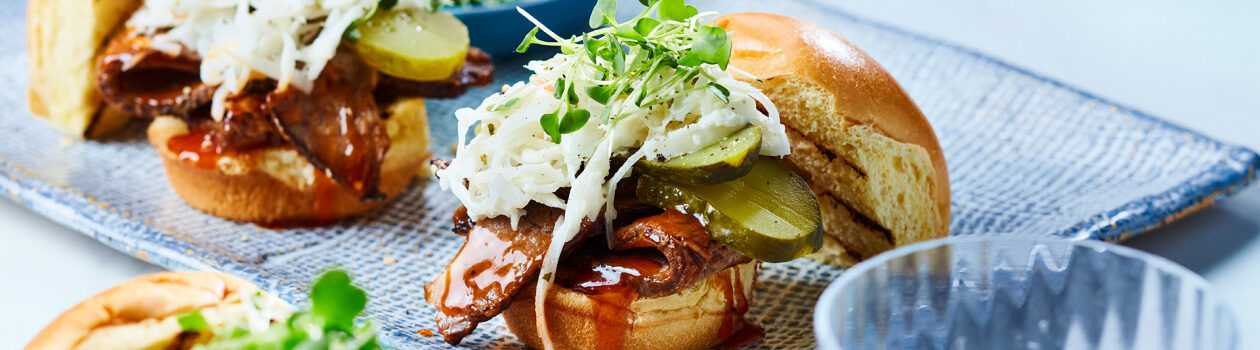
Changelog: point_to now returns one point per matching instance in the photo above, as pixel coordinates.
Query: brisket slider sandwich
(626, 194)
(268, 111)
(210, 310)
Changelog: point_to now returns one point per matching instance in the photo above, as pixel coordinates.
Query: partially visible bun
(143, 313)
(690, 319)
(64, 40)
(277, 186)
(864, 147)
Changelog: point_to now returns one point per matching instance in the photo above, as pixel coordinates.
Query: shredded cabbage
(287, 40)
(511, 161)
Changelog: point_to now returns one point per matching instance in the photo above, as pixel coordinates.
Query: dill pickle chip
(725, 160)
(770, 214)
(413, 44)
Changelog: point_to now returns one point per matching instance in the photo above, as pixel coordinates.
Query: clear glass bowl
(973, 292)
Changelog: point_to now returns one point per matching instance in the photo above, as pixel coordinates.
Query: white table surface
(1194, 63)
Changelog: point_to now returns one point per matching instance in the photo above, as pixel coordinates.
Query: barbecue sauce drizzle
(736, 331)
(325, 190)
(610, 277)
(196, 148)
(607, 280)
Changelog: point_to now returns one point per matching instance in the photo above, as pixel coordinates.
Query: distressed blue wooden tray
(1027, 156)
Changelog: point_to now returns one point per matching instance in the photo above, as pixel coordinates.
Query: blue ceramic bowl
(497, 28)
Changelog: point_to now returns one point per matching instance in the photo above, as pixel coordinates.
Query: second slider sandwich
(209, 310)
(268, 111)
(626, 194)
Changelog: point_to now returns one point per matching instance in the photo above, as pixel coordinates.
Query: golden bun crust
(142, 313)
(278, 187)
(64, 40)
(857, 138)
(687, 320)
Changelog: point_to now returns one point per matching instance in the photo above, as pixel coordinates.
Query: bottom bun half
(691, 319)
(276, 186)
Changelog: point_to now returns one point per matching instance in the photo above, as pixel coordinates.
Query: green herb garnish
(676, 10)
(644, 61)
(337, 301)
(327, 322)
(193, 322)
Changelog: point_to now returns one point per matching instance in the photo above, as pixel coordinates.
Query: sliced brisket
(144, 82)
(492, 267)
(337, 125)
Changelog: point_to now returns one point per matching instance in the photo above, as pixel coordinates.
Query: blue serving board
(1026, 155)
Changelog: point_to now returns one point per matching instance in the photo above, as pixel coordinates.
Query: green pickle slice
(726, 160)
(413, 44)
(770, 214)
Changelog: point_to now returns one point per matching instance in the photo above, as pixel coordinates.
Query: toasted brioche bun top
(768, 45)
(843, 107)
(143, 313)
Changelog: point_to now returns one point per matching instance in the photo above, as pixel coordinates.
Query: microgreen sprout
(640, 63)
